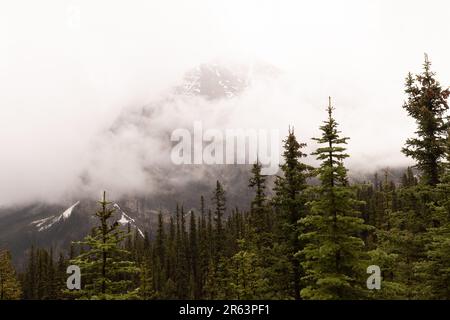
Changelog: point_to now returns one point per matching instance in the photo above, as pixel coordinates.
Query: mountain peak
(221, 80)
(213, 81)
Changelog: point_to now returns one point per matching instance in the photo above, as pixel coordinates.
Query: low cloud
(71, 120)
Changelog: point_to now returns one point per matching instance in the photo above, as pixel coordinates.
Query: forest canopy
(307, 241)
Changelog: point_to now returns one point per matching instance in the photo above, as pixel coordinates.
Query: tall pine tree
(290, 200)
(427, 104)
(334, 253)
(106, 272)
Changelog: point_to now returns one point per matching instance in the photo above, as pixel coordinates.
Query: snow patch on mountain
(39, 223)
(126, 219)
(66, 214)
(46, 223)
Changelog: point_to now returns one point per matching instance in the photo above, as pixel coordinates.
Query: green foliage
(434, 270)
(106, 272)
(146, 290)
(334, 256)
(9, 285)
(289, 201)
(246, 280)
(427, 104)
(44, 278)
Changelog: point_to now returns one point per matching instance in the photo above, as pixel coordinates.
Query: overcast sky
(68, 68)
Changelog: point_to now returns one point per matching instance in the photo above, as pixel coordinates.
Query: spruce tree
(290, 200)
(106, 274)
(168, 270)
(194, 255)
(160, 255)
(427, 104)
(257, 244)
(218, 200)
(204, 247)
(334, 253)
(259, 212)
(9, 285)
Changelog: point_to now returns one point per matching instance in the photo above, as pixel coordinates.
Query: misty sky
(69, 68)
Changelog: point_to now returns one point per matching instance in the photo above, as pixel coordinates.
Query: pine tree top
(332, 171)
(331, 136)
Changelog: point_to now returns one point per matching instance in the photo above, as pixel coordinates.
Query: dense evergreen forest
(307, 241)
